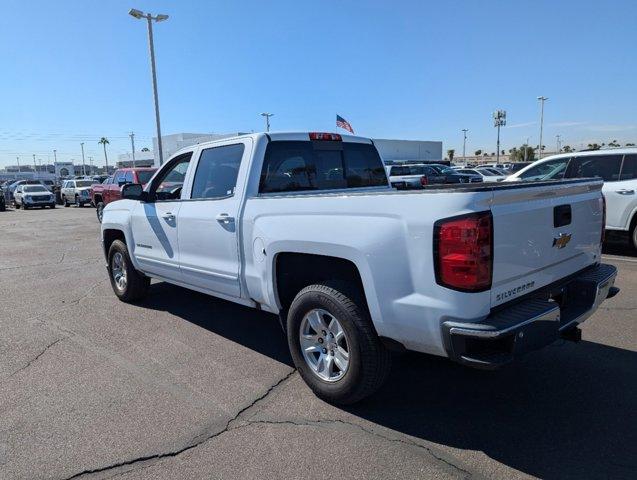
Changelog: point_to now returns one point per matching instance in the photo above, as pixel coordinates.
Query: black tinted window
(128, 178)
(217, 171)
(144, 176)
(604, 166)
(299, 165)
(629, 168)
(399, 171)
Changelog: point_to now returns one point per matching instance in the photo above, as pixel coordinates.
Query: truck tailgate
(543, 233)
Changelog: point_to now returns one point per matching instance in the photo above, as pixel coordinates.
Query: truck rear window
(291, 166)
(143, 176)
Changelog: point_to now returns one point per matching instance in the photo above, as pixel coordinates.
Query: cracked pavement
(188, 386)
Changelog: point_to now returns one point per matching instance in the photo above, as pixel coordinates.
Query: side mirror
(134, 191)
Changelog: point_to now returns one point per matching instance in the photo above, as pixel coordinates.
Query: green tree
(614, 143)
(145, 149)
(593, 146)
(478, 153)
(630, 144)
(104, 141)
(567, 149)
(517, 154)
(450, 153)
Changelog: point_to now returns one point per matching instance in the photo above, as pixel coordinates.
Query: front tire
(65, 202)
(99, 210)
(334, 345)
(128, 284)
(633, 235)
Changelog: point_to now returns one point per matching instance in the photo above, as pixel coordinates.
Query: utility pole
(464, 146)
(542, 99)
(18, 159)
(559, 143)
(151, 47)
(83, 163)
(35, 166)
(132, 142)
(267, 120)
(499, 120)
(55, 156)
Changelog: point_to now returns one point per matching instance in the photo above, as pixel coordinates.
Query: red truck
(111, 189)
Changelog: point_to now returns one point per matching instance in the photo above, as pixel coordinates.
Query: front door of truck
(154, 223)
(208, 219)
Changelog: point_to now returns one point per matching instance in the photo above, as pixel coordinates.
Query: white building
(142, 159)
(408, 150)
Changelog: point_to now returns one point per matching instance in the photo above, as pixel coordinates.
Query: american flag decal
(344, 124)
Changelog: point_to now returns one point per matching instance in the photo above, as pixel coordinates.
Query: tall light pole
(132, 142)
(558, 137)
(151, 47)
(83, 164)
(267, 120)
(499, 120)
(464, 146)
(542, 99)
(35, 167)
(55, 156)
(18, 159)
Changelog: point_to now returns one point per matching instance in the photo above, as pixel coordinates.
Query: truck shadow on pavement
(568, 411)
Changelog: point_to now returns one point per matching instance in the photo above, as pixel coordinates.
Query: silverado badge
(561, 240)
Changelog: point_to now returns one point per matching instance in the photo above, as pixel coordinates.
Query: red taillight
(329, 137)
(424, 181)
(603, 237)
(463, 252)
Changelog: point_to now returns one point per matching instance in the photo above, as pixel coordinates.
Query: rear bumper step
(530, 324)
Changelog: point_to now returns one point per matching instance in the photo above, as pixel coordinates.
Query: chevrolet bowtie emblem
(561, 240)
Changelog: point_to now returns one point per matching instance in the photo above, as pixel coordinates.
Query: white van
(618, 168)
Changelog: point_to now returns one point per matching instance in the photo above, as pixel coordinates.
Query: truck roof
(277, 136)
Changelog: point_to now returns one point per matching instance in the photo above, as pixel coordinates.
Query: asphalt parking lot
(188, 386)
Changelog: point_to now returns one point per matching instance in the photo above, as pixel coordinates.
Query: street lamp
(499, 120)
(83, 164)
(464, 146)
(267, 120)
(151, 47)
(542, 99)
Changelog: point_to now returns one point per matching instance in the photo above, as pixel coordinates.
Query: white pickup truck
(306, 226)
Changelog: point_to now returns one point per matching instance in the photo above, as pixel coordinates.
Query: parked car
(27, 196)
(618, 169)
(77, 192)
(413, 176)
(110, 189)
(12, 186)
(486, 175)
(453, 176)
(354, 268)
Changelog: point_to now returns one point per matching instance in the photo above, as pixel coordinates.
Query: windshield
(34, 188)
(84, 183)
(144, 176)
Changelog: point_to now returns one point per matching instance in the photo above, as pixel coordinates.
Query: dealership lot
(187, 386)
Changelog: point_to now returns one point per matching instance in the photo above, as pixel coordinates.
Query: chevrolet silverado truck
(307, 226)
(110, 189)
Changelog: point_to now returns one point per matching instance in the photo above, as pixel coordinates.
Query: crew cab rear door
(209, 218)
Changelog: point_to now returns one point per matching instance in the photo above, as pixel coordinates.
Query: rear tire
(128, 284)
(368, 362)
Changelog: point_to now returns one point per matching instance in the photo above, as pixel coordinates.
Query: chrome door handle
(224, 218)
(625, 192)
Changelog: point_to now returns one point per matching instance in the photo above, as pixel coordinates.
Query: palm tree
(450, 153)
(103, 141)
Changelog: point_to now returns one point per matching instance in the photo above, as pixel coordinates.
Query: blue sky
(76, 70)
